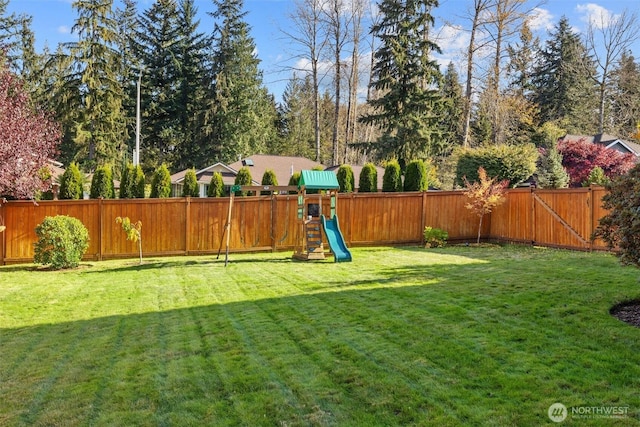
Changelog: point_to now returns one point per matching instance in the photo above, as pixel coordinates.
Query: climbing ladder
(315, 247)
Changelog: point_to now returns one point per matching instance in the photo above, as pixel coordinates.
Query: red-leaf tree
(484, 195)
(580, 157)
(28, 139)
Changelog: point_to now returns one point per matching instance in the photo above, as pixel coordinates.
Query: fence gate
(565, 221)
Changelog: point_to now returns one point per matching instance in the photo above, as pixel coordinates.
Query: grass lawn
(400, 336)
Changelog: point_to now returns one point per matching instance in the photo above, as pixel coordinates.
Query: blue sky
(53, 20)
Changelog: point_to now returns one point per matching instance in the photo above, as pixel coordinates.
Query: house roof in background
(608, 141)
(283, 166)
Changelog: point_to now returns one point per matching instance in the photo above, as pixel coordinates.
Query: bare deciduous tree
(308, 31)
(608, 38)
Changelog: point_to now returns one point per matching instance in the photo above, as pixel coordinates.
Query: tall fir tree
(243, 114)
(192, 150)
(156, 45)
(405, 75)
(561, 82)
(101, 131)
(297, 132)
(453, 110)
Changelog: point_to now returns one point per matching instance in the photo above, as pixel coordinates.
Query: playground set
(313, 188)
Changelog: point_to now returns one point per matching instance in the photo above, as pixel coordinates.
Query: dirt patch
(627, 311)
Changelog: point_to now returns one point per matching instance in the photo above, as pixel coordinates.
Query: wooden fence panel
(380, 218)
(446, 210)
(513, 220)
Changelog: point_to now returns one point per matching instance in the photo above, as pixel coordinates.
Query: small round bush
(62, 241)
(294, 180)
(269, 178)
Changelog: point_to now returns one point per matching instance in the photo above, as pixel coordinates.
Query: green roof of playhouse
(318, 180)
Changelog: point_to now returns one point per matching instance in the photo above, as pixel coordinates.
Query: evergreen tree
(156, 45)
(243, 178)
(129, 68)
(561, 82)
(125, 187)
(346, 179)
(191, 90)
(550, 172)
(216, 186)
(161, 183)
(297, 119)
(190, 184)
(368, 181)
(101, 130)
(268, 178)
(138, 183)
(415, 177)
(404, 75)
(242, 112)
(71, 183)
(453, 110)
(102, 183)
(392, 179)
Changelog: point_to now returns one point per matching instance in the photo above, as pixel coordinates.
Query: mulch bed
(628, 311)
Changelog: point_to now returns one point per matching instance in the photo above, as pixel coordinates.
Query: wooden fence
(183, 226)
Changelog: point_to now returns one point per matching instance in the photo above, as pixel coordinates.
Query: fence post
(423, 221)
(187, 224)
(100, 227)
(532, 223)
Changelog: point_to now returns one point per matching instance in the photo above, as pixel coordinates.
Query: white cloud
(595, 15)
(63, 29)
(540, 19)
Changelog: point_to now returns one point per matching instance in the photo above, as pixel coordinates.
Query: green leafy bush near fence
(62, 241)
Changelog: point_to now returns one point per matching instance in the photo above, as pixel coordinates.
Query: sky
(53, 20)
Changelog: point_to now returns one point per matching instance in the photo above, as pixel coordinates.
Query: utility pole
(136, 154)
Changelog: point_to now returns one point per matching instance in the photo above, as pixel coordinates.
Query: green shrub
(243, 178)
(514, 163)
(269, 178)
(190, 184)
(62, 241)
(346, 179)
(161, 184)
(294, 180)
(620, 228)
(125, 187)
(415, 177)
(138, 183)
(102, 184)
(216, 186)
(392, 179)
(435, 237)
(71, 183)
(368, 182)
(596, 177)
